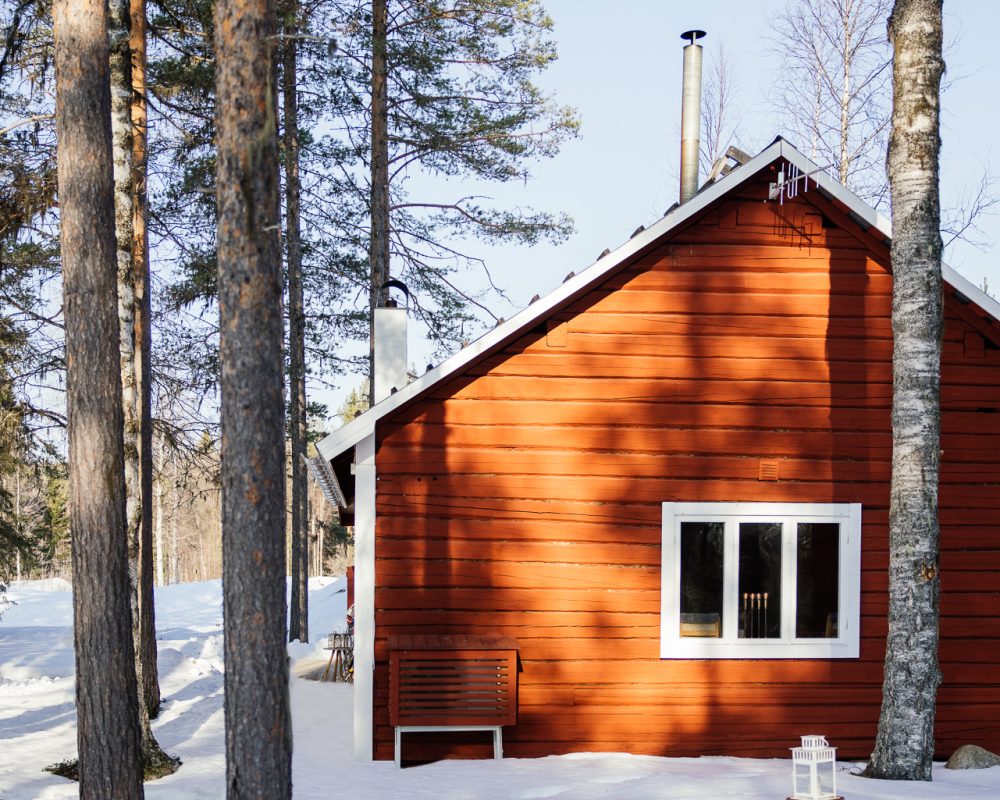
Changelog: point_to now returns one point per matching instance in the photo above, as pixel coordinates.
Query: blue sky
(620, 67)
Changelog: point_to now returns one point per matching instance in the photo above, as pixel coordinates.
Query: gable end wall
(524, 497)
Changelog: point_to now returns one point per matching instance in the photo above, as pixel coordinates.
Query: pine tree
(299, 617)
(258, 725)
(106, 690)
(451, 93)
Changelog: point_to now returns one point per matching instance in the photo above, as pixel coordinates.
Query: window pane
(818, 582)
(701, 578)
(759, 594)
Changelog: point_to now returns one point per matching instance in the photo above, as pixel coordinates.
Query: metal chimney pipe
(691, 115)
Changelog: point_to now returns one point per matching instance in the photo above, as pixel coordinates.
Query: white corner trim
(364, 597)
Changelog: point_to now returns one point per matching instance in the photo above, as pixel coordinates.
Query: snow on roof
(340, 440)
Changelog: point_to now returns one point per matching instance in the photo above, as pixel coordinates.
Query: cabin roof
(864, 215)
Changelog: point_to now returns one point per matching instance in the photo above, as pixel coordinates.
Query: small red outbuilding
(669, 483)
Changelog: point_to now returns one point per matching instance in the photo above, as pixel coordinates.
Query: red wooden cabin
(669, 482)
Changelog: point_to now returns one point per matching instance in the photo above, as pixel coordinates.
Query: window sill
(707, 649)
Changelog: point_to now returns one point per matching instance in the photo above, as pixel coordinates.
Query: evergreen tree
(258, 724)
(110, 763)
(451, 93)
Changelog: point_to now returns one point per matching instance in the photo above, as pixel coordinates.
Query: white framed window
(760, 580)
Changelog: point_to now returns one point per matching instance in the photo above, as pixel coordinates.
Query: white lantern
(814, 770)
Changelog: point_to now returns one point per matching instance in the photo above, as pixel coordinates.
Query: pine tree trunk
(904, 746)
(143, 345)
(106, 690)
(378, 247)
(258, 724)
(299, 618)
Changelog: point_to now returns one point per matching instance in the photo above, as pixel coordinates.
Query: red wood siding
(524, 498)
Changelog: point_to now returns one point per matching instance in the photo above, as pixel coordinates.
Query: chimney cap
(693, 36)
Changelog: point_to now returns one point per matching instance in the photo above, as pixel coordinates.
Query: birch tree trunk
(258, 724)
(158, 501)
(378, 247)
(299, 618)
(175, 509)
(904, 746)
(142, 350)
(106, 691)
(155, 761)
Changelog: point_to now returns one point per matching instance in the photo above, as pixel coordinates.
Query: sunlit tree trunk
(106, 690)
(160, 555)
(904, 746)
(258, 724)
(378, 247)
(143, 344)
(154, 759)
(299, 617)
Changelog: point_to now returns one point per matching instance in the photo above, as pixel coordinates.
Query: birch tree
(904, 746)
(258, 723)
(131, 276)
(720, 113)
(833, 89)
(106, 690)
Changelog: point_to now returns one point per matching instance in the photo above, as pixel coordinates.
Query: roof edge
(353, 432)
(340, 440)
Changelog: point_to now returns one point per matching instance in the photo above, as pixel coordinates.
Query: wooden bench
(452, 683)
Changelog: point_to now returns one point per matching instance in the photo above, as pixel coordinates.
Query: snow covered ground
(37, 725)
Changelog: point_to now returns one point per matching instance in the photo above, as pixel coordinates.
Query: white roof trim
(326, 479)
(353, 432)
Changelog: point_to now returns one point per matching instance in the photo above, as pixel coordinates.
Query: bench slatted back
(453, 687)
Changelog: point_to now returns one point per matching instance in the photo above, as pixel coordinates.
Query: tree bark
(299, 619)
(158, 501)
(155, 761)
(904, 746)
(378, 247)
(143, 346)
(106, 689)
(175, 509)
(258, 725)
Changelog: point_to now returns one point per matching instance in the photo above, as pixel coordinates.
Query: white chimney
(691, 115)
(390, 344)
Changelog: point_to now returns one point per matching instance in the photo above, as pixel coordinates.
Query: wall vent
(768, 470)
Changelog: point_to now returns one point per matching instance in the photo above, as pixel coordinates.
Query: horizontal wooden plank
(516, 599)
(689, 363)
(628, 516)
(787, 273)
(575, 412)
(722, 345)
(635, 449)
(732, 302)
(449, 546)
(515, 622)
(449, 574)
(640, 490)
(770, 392)
(848, 325)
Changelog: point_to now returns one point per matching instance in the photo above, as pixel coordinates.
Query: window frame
(847, 642)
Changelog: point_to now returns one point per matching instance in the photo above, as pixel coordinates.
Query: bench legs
(401, 729)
